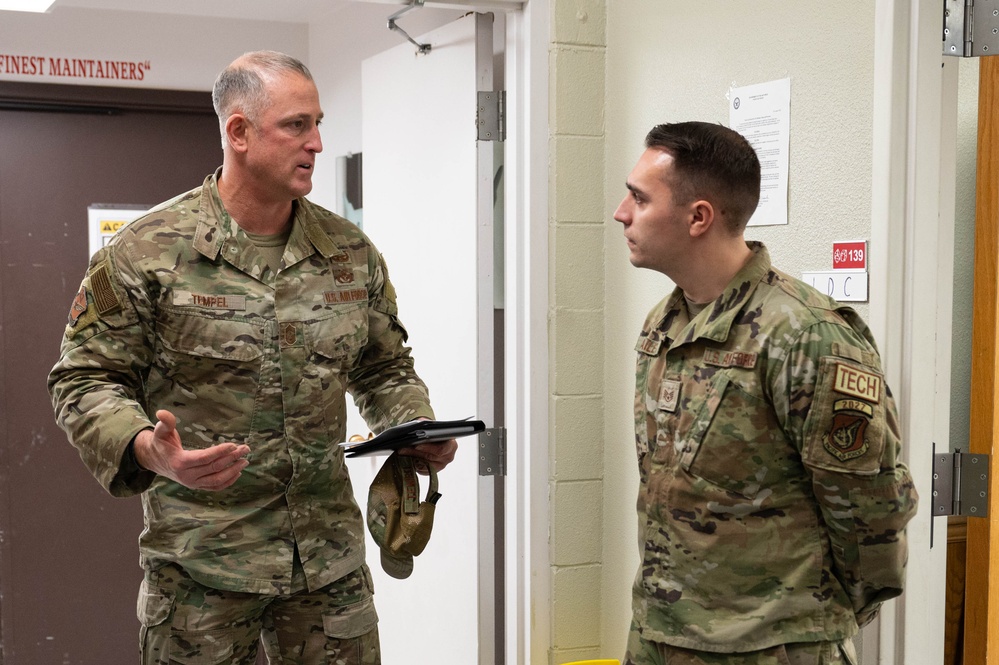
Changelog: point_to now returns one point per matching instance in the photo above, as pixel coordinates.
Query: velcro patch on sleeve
(847, 437)
(105, 297)
(856, 382)
(79, 306)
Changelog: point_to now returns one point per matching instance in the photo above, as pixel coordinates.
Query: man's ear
(236, 128)
(702, 217)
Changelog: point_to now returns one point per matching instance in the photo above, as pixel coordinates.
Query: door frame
(911, 275)
(528, 565)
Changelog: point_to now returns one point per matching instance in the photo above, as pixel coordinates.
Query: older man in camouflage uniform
(773, 499)
(240, 313)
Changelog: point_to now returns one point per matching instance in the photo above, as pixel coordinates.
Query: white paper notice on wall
(104, 220)
(762, 113)
(841, 285)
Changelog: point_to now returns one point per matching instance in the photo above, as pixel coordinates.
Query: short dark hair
(712, 162)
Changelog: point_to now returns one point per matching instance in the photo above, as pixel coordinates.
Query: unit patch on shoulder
(845, 439)
(857, 383)
(79, 306)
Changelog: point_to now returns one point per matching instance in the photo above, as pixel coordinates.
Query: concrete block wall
(577, 56)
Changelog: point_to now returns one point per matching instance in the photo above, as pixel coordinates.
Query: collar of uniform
(671, 323)
(715, 321)
(213, 221)
(313, 230)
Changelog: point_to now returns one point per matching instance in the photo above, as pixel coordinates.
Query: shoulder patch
(79, 306)
(105, 297)
(856, 382)
(846, 438)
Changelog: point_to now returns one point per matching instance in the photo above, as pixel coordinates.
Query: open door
(981, 616)
(428, 207)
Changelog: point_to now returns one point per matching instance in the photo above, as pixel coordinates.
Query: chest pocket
(200, 361)
(732, 439)
(340, 337)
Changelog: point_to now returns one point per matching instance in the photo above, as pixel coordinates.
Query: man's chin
(302, 188)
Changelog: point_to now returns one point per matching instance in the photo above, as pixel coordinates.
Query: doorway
(69, 571)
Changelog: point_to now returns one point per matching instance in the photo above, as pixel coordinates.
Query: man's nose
(623, 213)
(315, 141)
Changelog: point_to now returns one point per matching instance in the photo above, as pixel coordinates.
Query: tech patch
(849, 380)
(846, 438)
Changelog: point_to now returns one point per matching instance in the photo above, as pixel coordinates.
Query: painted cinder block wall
(577, 54)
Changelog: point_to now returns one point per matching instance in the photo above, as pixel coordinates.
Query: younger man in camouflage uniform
(773, 500)
(240, 313)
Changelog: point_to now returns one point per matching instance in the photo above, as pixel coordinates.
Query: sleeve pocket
(845, 426)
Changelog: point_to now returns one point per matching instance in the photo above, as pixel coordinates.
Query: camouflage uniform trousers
(191, 624)
(644, 652)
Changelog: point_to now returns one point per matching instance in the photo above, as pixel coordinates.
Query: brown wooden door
(981, 628)
(69, 569)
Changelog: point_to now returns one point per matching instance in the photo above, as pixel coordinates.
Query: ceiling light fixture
(26, 5)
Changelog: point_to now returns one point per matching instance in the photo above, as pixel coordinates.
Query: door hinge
(971, 28)
(490, 117)
(960, 484)
(492, 452)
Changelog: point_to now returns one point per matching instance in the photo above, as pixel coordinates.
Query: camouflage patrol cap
(398, 521)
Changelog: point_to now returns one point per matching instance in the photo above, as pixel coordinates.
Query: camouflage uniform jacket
(772, 500)
(180, 312)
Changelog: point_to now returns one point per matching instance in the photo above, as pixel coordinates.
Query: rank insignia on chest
(343, 276)
(669, 395)
(846, 437)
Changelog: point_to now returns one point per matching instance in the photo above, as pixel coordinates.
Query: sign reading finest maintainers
(104, 220)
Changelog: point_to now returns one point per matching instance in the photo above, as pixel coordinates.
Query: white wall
(337, 46)
(184, 53)
(669, 62)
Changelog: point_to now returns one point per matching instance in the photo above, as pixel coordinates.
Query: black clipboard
(414, 433)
